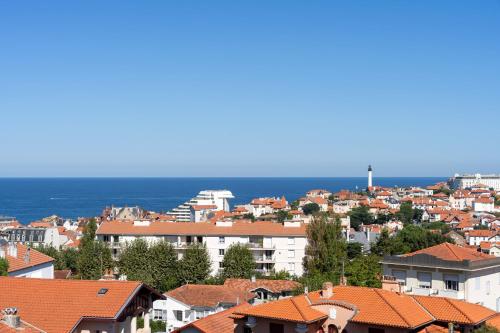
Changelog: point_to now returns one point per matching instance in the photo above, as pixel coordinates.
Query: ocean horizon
(32, 198)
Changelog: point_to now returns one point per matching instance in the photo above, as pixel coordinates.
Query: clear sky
(249, 88)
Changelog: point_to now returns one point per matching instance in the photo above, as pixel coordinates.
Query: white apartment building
(447, 270)
(275, 246)
(469, 180)
(217, 198)
(483, 204)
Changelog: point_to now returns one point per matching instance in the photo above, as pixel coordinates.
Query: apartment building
(447, 270)
(471, 180)
(275, 246)
(218, 198)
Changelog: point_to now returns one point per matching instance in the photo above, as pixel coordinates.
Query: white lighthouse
(370, 180)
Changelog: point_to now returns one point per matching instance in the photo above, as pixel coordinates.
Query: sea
(30, 199)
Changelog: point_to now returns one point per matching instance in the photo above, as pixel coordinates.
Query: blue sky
(249, 88)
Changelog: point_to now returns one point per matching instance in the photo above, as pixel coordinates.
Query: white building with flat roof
(275, 246)
(470, 180)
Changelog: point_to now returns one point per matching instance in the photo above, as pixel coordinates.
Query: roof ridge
(298, 309)
(448, 245)
(392, 307)
(458, 309)
(422, 307)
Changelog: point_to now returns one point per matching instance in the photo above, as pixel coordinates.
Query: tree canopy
(326, 250)
(4, 267)
(195, 265)
(155, 265)
(310, 208)
(238, 262)
(94, 256)
(360, 215)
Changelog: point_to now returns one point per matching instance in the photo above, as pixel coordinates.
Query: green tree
(406, 212)
(354, 249)
(53, 253)
(360, 215)
(195, 265)
(69, 257)
(238, 262)
(4, 267)
(249, 216)
(326, 250)
(155, 265)
(94, 256)
(310, 208)
(283, 215)
(364, 271)
(411, 238)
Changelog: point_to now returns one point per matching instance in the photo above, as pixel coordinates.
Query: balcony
(451, 294)
(115, 245)
(422, 291)
(260, 246)
(263, 259)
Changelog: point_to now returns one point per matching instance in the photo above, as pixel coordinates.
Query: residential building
(360, 310)
(325, 194)
(483, 204)
(219, 198)
(221, 322)
(123, 213)
(192, 302)
(77, 306)
(492, 249)
(275, 246)
(26, 262)
(447, 270)
(34, 236)
(264, 290)
(470, 180)
(475, 237)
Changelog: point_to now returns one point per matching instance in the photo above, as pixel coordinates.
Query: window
(159, 314)
(332, 329)
(247, 329)
(221, 252)
(222, 240)
(451, 282)
(424, 280)
(276, 328)
(400, 276)
(291, 253)
(221, 264)
(199, 314)
(291, 241)
(178, 315)
(291, 266)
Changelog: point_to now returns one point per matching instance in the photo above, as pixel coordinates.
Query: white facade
(42, 271)
(219, 198)
(278, 252)
(468, 181)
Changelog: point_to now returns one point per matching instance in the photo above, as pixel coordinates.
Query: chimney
(12, 250)
(253, 279)
(27, 255)
(306, 290)
(327, 290)
(11, 318)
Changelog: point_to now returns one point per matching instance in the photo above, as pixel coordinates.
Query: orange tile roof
(208, 295)
(18, 263)
(481, 233)
(221, 322)
(455, 311)
(58, 305)
(295, 309)
(375, 307)
(202, 207)
(451, 252)
(23, 328)
(494, 321)
(191, 228)
(434, 329)
(380, 307)
(275, 286)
